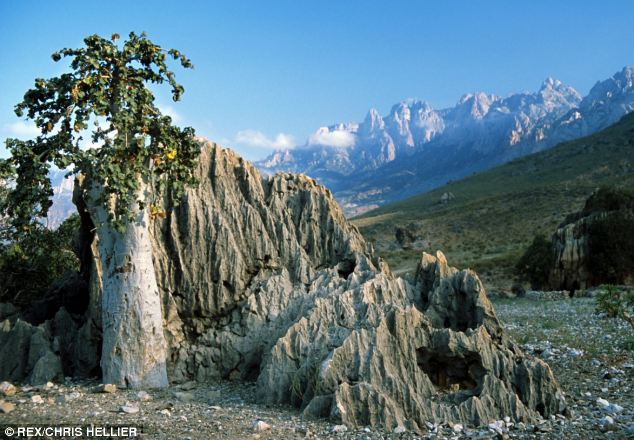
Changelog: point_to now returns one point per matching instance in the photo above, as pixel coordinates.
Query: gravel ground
(591, 356)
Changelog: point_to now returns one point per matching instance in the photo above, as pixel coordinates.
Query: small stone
(573, 352)
(7, 388)
(216, 407)
(183, 396)
(48, 386)
(68, 397)
(259, 426)
(340, 429)
(165, 412)
(109, 388)
(607, 420)
(188, 386)
(613, 408)
(457, 428)
(507, 419)
(400, 429)
(143, 396)
(604, 390)
(129, 409)
(6, 407)
(602, 402)
(37, 399)
(497, 426)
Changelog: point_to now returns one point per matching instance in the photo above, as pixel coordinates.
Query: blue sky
(270, 73)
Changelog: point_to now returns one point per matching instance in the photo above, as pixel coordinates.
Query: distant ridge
(493, 215)
(416, 148)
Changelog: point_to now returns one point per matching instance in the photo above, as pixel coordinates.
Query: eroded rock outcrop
(594, 246)
(64, 345)
(379, 351)
(264, 279)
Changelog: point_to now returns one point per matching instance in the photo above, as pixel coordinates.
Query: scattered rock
(457, 428)
(400, 429)
(129, 409)
(339, 429)
(607, 420)
(259, 426)
(183, 396)
(108, 388)
(143, 396)
(64, 398)
(37, 399)
(7, 389)
(6, 407)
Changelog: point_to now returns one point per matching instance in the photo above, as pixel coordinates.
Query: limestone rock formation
(264, 279)
(594, 246)
(380, 351)
(49, 351)
(570, 246)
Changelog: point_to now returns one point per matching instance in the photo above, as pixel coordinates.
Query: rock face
(570, 246)
(379, 351)
(594, 245)
(264, 279)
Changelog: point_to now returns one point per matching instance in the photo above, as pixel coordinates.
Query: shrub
(535, 265)
(609, 198)
(617, 303)
(29, 265)
(611, 247)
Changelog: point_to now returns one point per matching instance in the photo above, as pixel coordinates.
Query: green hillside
(495, 214)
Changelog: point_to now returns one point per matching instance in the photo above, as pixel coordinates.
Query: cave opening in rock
(345, 268)
(459, 376)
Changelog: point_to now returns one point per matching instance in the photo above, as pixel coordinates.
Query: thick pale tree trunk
(134, 347)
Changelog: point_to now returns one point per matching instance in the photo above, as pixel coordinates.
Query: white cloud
(168, 110)
(335, 138)
(22, 129)
(254, 138)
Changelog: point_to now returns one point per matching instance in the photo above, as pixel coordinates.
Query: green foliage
(535, 265)
(611, 246)
(616, 303)
(108, 88)
(30, 265)
(609, 198)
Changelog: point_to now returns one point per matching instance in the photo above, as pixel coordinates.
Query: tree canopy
(107, 88)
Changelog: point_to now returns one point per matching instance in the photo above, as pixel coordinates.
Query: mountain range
(416, 148)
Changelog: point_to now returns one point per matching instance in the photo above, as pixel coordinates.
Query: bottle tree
(136, 155)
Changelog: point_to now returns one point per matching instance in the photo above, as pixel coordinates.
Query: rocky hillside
(264, 280)
(486, 221)
(416, 148)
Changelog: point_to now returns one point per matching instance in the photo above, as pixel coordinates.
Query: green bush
(535, 265)
(609, 198)
(617, 303)
(31, 263)
(611, 247)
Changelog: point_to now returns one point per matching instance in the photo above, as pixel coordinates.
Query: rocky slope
(264, 279)
(416, 148)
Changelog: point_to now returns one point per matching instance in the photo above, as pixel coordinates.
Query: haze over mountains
(416, 147)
